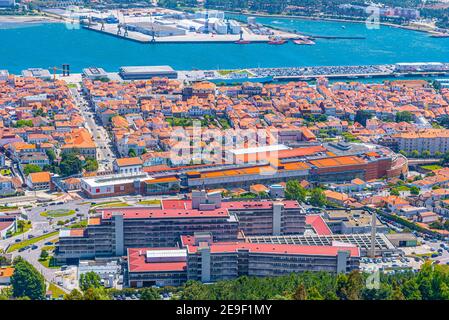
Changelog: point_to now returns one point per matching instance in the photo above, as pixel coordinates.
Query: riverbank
(314, 18)
(27, 19)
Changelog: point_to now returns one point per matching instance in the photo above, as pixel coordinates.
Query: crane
(65, 70)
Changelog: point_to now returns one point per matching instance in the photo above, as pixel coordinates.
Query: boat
(303, 41)
(277, 41)
(242, 42)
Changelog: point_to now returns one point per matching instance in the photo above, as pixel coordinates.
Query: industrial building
(156, 29)
(113, 230)
(94, 73)
(40, 73)
(200, 258)
(147, 72)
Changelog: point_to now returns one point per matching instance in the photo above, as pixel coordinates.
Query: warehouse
(158, 29)
(147, 72)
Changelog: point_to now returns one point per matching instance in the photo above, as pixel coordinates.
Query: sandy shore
(27, 19)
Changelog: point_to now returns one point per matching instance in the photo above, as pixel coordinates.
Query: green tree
(361, 116)
(51, 155)
(149, 294)
(70, 164)
(300, 293)
(414, 154)
(23, 123)
(414, 190)
(132, 153)
(74, 295)
(91, 165)
(44, 255)
(90, 280)
(426, 154)
(26, 281)
(31, 168)
(314, 294)
(404, 116)
(96, 294)
(317, 197)
(394, 192)
(294, 191)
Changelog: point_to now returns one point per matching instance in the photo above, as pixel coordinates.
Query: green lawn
(18, 245)
(81, 224)
(57, 213)
(113, 205)
(149, 202)
(56, 291)
(432, 167)
(5, 172)
(402, 188)
(26, 227)
(49, 263)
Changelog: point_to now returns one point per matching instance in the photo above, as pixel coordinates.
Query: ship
(277, 41)
(242, 42)
(303, 41)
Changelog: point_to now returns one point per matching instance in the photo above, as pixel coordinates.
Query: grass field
(432, 167)
(113, 205)
(22, 244)
(57, 213)
(49, 263)
(55, 290)
(149, 202)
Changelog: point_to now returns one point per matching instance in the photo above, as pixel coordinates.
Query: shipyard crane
(65, 70)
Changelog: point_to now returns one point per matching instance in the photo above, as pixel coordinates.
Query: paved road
(105, 155)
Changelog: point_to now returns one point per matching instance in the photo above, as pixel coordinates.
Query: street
(105, 155)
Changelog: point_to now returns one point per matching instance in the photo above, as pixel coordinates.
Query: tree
(23, 123)
(27, 281)
(314, 294)
(44, 255)
(404, 116)
(426, 154)
(294, 191)
(414, 190)
(394, 192)
(317, 197)
(300, 293)
(31, 168)
(132, 153)
(91, 165)
(149, 294)
(414, 154)
(21, 225)
(96, 294)
(361, 116)
(90, 280)
(74, 295)
(51, 155)
(70, 164)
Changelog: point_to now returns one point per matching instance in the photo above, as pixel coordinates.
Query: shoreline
(312, 18)
(6, 19)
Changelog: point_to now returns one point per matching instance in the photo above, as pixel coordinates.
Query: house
(39, 181)
(394, 203)
(6, 186)
(427, 217)
(258, 189)
(337, 198)
(5, 276)
(128, 165)
(72, 184)
(411, 211)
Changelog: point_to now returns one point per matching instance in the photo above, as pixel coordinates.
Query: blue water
(47, 45)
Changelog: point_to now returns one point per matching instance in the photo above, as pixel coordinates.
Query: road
(105, 155)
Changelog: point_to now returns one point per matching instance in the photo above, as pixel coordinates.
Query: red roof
(5, 224)
(242, 205)
(137, 262)
(228, 247)
(318, 224)
(145, 213)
